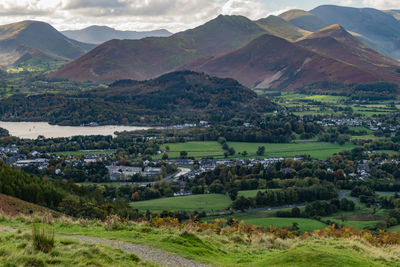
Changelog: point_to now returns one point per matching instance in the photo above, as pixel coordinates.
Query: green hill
(172, 98)
(37, 39)
(304, 20)
(279, 27)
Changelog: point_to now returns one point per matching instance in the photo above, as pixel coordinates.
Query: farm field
(328, 104)
(318, 150)
(200, 203)
(198, 150)
(266, 219)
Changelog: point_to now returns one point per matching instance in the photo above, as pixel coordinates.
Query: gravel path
(144, 252)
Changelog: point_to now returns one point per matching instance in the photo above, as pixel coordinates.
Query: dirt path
(144, 252)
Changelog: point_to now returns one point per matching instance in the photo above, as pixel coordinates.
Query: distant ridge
(100, 34)
(376, 28)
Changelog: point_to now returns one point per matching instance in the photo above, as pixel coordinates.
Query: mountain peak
(335, 31)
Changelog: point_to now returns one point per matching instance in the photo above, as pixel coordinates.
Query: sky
(140, 15)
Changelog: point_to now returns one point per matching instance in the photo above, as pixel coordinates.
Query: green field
(266, 218)
(207, 203)
(307, 225)
(327, 104)
(198, 150)
(318, 150)
(395, 229)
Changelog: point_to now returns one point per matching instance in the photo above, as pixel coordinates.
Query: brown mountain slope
(272, 62)
(151, 57)
(335, 42)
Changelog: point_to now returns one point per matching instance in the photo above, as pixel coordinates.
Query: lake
(31, 130)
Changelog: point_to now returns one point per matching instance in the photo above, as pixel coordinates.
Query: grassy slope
(232, 249)
(17, 250)
(209, 202)
(280, 27)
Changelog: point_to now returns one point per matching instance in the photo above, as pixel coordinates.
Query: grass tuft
(43, 239)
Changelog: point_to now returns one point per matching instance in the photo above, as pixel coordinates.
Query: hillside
(272, 62)
(150, 57)
(277, 26)
(11, 206)
(172, 98)
(304, 20)
(376, 28)
(100, 34)
(335, 42)
(34, 38)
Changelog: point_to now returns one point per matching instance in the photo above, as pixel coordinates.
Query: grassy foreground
(16, 250)
(237, 245)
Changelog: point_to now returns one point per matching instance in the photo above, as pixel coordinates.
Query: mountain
(272, 62)
(277, 26)
(335, 42)
(150, 57)
(100, 34)
(172, 98)
(304, 20)
(394, 13)
(376, 28)
(28, 39)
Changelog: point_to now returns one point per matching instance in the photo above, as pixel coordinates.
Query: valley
(241, 141)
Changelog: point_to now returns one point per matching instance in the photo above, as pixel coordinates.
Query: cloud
(249, 8)
(382, 4)
(175, 15)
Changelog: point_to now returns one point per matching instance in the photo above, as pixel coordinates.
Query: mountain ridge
(272, 62)
(150, 57)
(99, 34)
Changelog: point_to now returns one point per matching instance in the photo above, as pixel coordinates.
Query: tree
(233, 193)
(295, 212)
(183, 154)
(165, 156)
(260, 151)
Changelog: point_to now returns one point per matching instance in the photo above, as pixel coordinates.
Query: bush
(43, 240)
